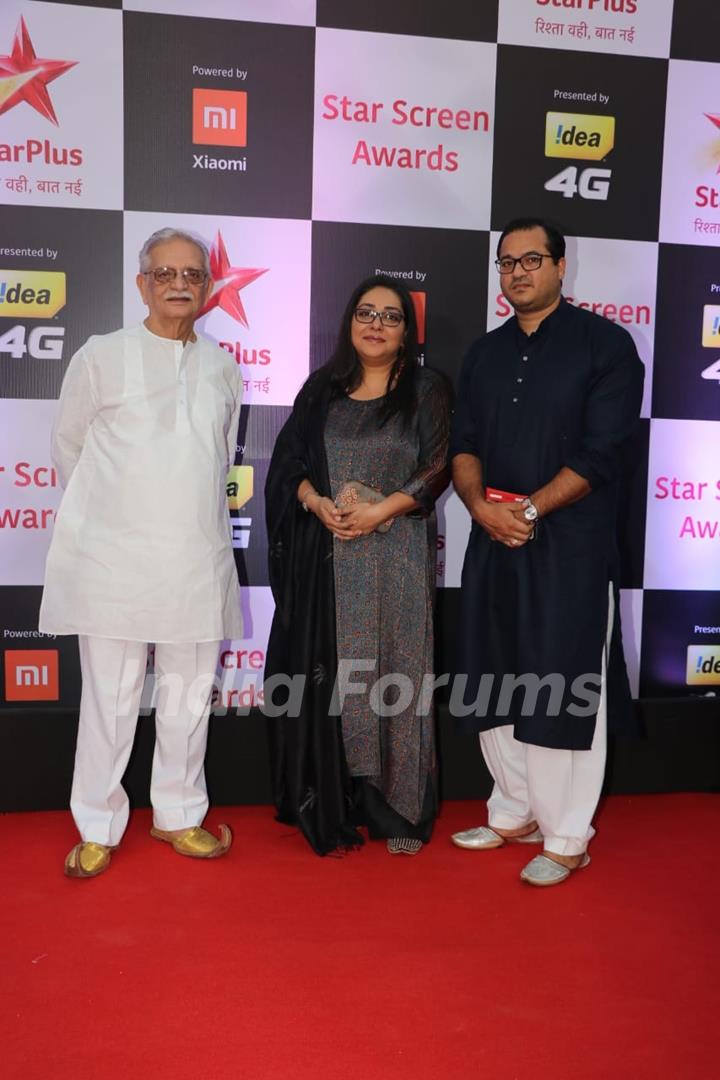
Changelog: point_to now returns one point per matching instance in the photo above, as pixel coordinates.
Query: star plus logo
(24, 77)
(714, 118)
(706, 194)
(228, 281)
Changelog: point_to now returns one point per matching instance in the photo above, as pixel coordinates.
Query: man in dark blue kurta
(546, 407)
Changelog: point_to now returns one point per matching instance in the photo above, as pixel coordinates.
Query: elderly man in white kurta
(141, 551)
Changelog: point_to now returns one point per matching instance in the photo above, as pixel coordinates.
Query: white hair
(162, 236)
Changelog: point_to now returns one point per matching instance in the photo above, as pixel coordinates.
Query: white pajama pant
(113, 675)
(559, 789)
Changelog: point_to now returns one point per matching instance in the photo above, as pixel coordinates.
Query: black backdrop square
(632, 509)
(668, 627)
(89, 244)
(160, 51)
(685, 277)
(455, 262)
(696, 30)
(19, 608)
(258, 431)
(468, 20)
(526, 80)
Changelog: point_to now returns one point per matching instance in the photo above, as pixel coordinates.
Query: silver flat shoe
(544, 871)
(403, 845)
(484, 838)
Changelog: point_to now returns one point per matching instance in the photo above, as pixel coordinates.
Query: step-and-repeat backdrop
(312, 143)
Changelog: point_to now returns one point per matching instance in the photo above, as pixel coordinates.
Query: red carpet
(273, 963)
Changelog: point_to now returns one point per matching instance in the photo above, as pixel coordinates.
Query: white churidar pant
(559, 789)
(113, 674)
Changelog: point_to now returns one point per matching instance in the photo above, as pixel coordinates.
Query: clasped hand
(349, 522)
(503, 522)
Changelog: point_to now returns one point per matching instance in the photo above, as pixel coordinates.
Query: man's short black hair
(555, 239)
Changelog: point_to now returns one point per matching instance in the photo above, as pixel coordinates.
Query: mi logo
(31, 675)
(579, 136)
(419, 301)
(214, 116)
(219, 117)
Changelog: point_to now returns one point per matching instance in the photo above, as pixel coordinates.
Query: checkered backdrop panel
(312, 143)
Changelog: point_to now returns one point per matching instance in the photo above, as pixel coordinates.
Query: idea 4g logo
(41, 343)
(711, 339)
(32, 294)
(583, 137)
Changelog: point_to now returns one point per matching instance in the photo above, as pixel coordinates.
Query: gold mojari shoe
(88, 859)
(196, 842)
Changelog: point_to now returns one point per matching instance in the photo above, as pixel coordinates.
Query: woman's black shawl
(312, 787)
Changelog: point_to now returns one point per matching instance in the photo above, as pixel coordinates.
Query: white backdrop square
(631, 610)
(77, 161)
(241, 666)
(682, 540)
(690, 200)
(403, 129)
(613, 278)
(636, 28)
(273, 348)
(29, 490)
(453, 532)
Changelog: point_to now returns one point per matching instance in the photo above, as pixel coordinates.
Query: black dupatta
(311, 784)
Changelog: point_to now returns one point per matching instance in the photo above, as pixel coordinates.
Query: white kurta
(141, 550)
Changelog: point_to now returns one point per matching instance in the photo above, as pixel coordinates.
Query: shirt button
(515, 401)
(520, 380)
(524, 357)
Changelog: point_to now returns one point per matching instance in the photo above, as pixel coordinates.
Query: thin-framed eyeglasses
(531, 260)
(191, 275)
(387, 318)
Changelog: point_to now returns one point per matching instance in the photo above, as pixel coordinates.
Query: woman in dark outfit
(353, 582)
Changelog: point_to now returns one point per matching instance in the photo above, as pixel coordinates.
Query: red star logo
(24, 78)
(227, 282)
(714, 118)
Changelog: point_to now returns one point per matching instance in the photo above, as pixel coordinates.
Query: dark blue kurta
(567, 395)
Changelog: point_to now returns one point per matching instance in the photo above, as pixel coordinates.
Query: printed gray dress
(384, 586)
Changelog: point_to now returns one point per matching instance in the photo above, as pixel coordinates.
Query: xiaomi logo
(579, 135)
(31, 675)
(219, 117)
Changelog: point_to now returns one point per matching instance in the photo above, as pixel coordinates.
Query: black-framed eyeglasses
(387, 318)
(191, 275)
(531, 260)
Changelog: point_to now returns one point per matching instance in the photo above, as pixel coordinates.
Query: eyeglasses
(387, 318)
(164, 275)
(531, 260)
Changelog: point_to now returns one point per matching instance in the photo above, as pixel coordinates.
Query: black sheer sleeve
(432, 475)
